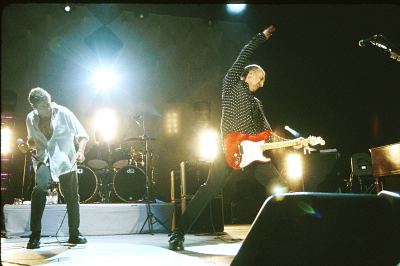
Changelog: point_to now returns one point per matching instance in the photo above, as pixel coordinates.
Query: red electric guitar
(242, 149)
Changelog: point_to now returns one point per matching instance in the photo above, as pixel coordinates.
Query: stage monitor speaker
(322, 229)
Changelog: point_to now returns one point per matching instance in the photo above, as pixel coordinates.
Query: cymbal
(138, 139)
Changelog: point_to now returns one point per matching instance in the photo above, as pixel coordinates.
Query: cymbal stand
(150, 215)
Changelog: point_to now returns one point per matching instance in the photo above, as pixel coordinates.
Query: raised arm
(233, 74)
(268, 31)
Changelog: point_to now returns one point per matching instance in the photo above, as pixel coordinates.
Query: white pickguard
(252, 151)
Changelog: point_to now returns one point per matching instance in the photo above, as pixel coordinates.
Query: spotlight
(141, 15)
(67, 8)
(106, 123)
(294, 169)
(235, 8)
(208, 144)
(6, 141)
(104, 79)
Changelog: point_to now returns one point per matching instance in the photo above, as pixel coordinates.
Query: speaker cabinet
(211, 219)
(184, 184)
(322, 229)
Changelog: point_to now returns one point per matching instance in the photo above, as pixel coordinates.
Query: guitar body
(242, 149)
(234, 154)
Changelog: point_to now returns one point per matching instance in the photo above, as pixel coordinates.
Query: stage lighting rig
(236, 8)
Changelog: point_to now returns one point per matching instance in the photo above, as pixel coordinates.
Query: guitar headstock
(395, 56)
(312, 141)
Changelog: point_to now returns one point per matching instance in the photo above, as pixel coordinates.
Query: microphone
(365, 42)
(22, 146)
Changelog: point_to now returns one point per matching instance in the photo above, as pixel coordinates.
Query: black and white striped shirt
(241, 111)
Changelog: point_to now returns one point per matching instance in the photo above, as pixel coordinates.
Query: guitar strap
(259, 104)
(274, 136)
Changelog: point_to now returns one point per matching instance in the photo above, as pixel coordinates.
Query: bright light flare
(208, 144)
(294, 168)
(235, 8)
(106, 122)
(278, 190)
(6, 140)
(104, 78)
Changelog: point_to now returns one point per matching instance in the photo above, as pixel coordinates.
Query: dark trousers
(219, 174)
(69, 187)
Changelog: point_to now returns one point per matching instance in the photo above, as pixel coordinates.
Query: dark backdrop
(320, 81)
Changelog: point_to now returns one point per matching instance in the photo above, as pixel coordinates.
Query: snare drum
(97, 164)
(129, 184)
(98, 156)
(87, 182)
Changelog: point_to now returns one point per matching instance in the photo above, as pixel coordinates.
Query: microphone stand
(387, 46)
(150, 215)
(24, 172)
(24, 177)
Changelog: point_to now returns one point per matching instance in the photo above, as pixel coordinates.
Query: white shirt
(60, 149)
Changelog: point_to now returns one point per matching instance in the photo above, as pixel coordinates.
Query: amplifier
(191, 176)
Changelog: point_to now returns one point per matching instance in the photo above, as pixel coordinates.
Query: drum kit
(115, 175)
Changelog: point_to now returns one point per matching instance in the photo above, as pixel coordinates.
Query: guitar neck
(279, 144)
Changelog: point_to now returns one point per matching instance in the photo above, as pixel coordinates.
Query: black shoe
(34, 243)
(177, 237)
(77, 240)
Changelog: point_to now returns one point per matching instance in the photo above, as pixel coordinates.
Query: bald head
(254, 75)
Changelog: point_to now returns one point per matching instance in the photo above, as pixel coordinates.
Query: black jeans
(69, 187)
(219, 174)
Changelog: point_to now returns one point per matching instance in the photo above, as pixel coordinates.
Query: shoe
(77, 240)
(34, 243)
(177, 237)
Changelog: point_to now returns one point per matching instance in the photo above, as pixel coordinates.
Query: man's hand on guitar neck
(301, 142)
(311, 140)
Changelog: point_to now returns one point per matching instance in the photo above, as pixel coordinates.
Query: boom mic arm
(365, 42)
(383, 43)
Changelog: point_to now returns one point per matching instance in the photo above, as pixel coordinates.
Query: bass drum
(88, 185)
(129, 184)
